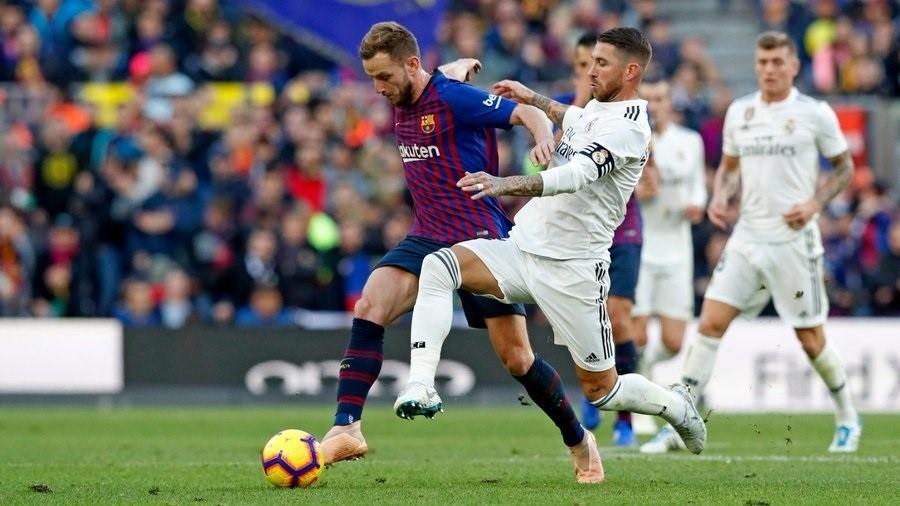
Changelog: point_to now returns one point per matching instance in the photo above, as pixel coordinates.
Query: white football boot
(665, 440)
(691, 428)
(846, 438)
(418, 399)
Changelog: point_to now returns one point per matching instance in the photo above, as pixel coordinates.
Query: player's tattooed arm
(553, 109)
(520, 93)
(842, 169)
(836, 180)
(482, 184)
(725, 186)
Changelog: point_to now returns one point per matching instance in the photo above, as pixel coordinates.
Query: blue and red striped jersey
(450, 130)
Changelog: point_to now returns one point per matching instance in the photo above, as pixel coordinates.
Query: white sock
(699, 363)
(654, 352)
(635, 393)
(432, 314)
(831, 369)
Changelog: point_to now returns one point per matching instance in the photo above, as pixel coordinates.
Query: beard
(604, 94)
(405, 96)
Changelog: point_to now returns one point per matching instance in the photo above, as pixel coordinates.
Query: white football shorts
(665, 290)
(791, 273)
(571, 293)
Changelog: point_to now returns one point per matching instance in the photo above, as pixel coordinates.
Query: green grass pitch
(503, 455)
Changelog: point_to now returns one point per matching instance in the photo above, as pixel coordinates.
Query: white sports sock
(699, 363)
(831, 369)
(432, 314)
(635, 393)
(654, 352)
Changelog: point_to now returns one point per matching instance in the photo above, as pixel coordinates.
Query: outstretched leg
(715, 317)
(388, 293)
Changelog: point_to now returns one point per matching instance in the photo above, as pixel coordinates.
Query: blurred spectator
(55, 169)
(177, 308)
(16, 264)
(265, 309)
(60, 273)
(137, 308)
(886, 277)
(666, 50)
(164, 83)
(258, 266)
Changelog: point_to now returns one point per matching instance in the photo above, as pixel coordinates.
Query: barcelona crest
(427, 123)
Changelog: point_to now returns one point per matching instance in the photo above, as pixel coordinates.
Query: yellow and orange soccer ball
(292, 459)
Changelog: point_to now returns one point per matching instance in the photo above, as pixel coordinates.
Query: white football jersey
(678, 155)
(596, 164)
(778, 145)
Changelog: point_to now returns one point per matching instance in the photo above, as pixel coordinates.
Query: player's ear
(795, 66)
(632, 71)
(412, 65)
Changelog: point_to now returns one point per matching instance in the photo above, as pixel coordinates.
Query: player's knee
(640, 335)
(620, 330)
(371, 308)
(518, 361)
(812, 343)
(673, 341)
(599, 384)
(711, 326)
(440, 269)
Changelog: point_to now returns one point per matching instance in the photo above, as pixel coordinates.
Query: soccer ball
(292, 459)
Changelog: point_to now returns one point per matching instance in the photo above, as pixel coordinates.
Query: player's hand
(648, 185)
(462, 69)
(481, 184)
(694, 214)
(513, 90)
(542, 153)
(718, 213)
(799, 214)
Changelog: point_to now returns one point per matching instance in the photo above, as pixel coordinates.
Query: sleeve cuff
(550, 183)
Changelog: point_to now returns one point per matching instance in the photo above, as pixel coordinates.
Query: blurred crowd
(156, 220)
(848, 46)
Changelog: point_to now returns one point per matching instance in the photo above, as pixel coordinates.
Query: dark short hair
(773, 40)
(389, 37)
(587, 40)
(630, 41)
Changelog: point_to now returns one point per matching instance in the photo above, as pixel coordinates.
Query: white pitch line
(758, 458)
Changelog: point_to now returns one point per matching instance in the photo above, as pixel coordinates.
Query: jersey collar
(619, 104)
(791, 96)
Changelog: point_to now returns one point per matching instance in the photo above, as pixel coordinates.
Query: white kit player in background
(672, 197)
(772, 142)
(557, 252)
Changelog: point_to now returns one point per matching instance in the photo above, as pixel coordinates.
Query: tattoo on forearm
(554, 110)
(523, 186)
(729, 181)
(836, 180)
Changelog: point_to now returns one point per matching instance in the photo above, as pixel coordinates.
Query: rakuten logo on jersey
(416, 153)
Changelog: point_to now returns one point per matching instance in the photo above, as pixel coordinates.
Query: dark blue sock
(359, 369)
(626, 363)
(545, 388)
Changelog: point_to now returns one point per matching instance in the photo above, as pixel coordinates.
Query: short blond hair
(391, 38)
(773, 40)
